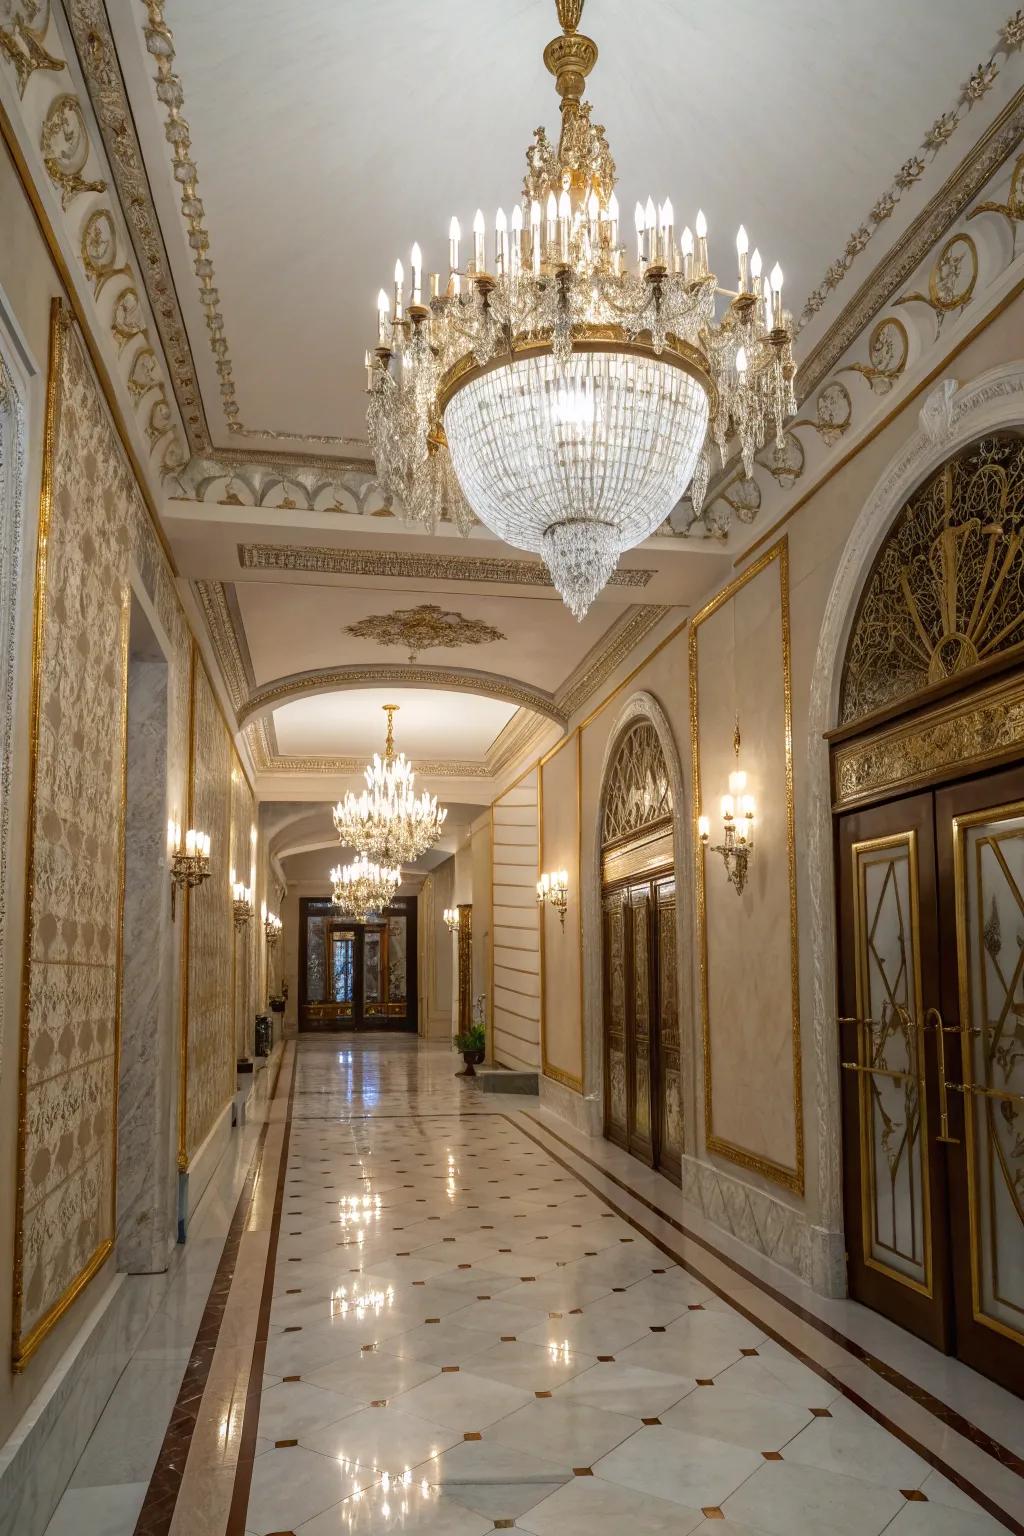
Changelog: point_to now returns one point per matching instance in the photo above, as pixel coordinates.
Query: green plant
(473, 1039)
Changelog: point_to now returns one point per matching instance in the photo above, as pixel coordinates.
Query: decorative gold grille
(638, 793)
(947, 590)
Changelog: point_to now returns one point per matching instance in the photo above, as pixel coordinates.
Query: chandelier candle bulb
(776, 282)
(383, 319)
(613, 222)
(416, 262)
(703, 828)
(702, 243)
(742, 247)
(687, 249)
(650, 233)
(399, 283)
(755, 271)
(516, 242)
(479, 237)
(728, 807)
(564, 221)
(500, 243)
(668, 234)
(454, 235)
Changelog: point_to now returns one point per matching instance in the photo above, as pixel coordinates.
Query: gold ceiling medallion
(422, 629)
(888, 350)
(947, 591)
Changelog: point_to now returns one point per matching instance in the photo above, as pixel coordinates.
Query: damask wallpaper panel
(207, 1024)
(94, 534)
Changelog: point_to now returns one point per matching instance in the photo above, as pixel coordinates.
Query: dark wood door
(980, 845)
(643, 1079)
(931, 907)
(894, 1171)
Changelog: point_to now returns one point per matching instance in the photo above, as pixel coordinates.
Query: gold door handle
(987, 1093)
(941, 1031)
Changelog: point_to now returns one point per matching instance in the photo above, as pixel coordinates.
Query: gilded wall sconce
(241, 904)
(272, 926)
(451, 919)
(190, 859)
(737, 843)
(553, 888)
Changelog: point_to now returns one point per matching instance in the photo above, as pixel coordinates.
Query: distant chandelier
(389, 822)
(561, 395)
(363, 887)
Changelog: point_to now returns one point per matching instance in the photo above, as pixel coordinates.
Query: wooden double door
(931, 916)
(643, 1107)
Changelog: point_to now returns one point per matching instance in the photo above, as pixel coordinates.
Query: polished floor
(440, 1312)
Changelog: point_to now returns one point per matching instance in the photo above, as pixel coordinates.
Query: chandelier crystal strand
(363, 888)
(560, 392)
(388, 821)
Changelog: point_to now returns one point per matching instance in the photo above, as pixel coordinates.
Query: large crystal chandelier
(561, 393)
(388, 821)
(363, 887)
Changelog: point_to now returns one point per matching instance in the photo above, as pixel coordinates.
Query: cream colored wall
(562, 1010)
(756, 1104)
(480, 834)
(516, 967)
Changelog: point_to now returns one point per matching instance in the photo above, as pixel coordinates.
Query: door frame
(407, 1022)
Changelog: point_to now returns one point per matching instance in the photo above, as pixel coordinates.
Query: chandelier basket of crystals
(388, 821)
(363, 888)
(558, 391)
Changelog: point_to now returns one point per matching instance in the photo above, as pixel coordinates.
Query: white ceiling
(461, 725)
(331, 135)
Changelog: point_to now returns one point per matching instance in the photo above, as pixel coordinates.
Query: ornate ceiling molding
(285, 482)
(609, 652)
(227, 637)
(101, 69)
(977, 85)
(501, 570)
(266, 759)
(491, 685)
(170, 93)
(423, 628)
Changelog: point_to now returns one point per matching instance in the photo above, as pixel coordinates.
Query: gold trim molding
(980, 731)
(455, 679)
(778, 1173)
(500, 570)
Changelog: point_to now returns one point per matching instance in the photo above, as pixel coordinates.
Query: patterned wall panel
(94, 533)
(209, 1035)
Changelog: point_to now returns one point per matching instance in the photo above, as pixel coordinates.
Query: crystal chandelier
(389, 822)
(363, 887)
(560, 393)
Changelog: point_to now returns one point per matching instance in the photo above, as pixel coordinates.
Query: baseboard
(576, 1109)
(766, 1223)
(193, 1181)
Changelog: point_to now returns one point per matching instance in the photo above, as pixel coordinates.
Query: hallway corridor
(435, 1314)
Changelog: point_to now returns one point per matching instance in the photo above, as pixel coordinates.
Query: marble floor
(446, 1314)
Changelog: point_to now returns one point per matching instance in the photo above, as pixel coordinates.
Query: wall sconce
(272, 926)
(737, 843)
(451, 919)
(242, 904)
(190, 860)
(554, 889)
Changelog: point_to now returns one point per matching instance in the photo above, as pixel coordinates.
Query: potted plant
(473, 1045)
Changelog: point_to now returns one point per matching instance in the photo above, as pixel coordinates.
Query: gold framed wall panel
(562, 1075)
(72, 961)
(788, 1176)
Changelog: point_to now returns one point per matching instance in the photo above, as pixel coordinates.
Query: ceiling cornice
(267, 759)
(502, 570)
(492, 685)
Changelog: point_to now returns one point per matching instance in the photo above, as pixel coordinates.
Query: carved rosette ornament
(425, 628)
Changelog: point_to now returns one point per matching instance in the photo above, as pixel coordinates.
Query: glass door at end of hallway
(355, 975)
(931, 925)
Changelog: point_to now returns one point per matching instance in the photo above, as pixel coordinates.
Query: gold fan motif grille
(638, 792)
(947, 590)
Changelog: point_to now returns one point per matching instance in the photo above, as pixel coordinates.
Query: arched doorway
(643, 1094)
(928, 794)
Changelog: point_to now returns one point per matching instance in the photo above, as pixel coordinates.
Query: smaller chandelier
(737, 843)
(190, 859)
(451, 919)
(272, 926)
(241, 900)
(363, 888)
(389, 822)
(553, 888)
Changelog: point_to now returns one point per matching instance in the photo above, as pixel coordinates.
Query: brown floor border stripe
(239, 1509)
(981, 1498)
(918, 1394)
(162, 1494)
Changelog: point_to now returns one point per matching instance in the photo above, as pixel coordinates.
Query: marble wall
(98, 540)
(207, 1025)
